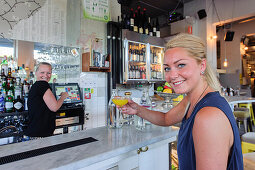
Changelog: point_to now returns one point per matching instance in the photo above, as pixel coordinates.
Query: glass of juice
(120, 100)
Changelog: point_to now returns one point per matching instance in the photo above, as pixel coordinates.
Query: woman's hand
(130, 108)
(64, 95)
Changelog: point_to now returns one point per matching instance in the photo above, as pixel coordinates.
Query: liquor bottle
(25, 101)
(18, 104)
(141, 56)
(136, 21)
(4, 64)
(130, 72)
(131, 28)
(127, 21)
(145, 23)
(123, 16)
(133, 72)
(137, 73)
(17, 88)
(2, 104)
(145, 102)
(155, 58)
(9, 102)
(25, 89)
(140, 24)
(9, 72)
(144, 55)
(135, 55)
(157, 29)
(144, 73)
(3, 83)
(130, 53)
(150, 27)
(154, 29)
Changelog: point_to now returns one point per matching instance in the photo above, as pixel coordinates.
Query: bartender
(42, 104)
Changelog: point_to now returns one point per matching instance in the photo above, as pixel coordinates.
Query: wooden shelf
(87, 68)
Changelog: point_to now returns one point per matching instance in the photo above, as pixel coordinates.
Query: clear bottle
(145, 102)
(114, 116)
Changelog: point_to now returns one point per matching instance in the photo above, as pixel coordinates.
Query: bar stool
(249, 106)
(248, 149)
(243, 115)
(248, 142)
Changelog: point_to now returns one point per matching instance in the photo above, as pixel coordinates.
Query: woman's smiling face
(181, 70)
(43, 73)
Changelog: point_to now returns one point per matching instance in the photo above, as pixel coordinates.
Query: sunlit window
(6, 51)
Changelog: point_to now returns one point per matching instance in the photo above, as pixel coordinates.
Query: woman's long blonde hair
(197, 49)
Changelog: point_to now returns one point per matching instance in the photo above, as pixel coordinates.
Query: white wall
(96, 107)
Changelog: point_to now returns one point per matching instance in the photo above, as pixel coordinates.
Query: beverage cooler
(142, 59)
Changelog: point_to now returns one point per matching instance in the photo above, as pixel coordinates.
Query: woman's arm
(213, 138)
(173, 116)
(51, 101)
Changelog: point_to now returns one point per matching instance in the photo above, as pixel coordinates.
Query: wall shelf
(86, 64)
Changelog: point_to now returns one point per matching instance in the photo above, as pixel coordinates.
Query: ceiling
(154, 8)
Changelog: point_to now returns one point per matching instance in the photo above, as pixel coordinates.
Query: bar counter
(110, 144)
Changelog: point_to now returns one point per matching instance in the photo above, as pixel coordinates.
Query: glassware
(114, 116)
(129, 118)
(145, 102)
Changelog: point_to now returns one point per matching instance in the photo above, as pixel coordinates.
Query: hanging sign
(96, 10)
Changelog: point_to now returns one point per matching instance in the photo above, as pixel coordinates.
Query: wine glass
(120, 100)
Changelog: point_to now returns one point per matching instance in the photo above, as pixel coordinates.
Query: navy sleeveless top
(185, 145)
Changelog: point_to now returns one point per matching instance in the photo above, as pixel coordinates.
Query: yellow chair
(242, 115)
(248, 142)
(249, 106)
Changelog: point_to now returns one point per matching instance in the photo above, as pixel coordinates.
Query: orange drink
(120, 101)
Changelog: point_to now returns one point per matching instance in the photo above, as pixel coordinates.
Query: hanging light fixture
(225, 63)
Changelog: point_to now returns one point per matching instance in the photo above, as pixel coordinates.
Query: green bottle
(9, 102)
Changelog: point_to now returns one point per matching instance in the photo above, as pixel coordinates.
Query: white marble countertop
(111, 143)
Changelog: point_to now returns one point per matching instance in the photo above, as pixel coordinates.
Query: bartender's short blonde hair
(196, 48)
(42, 63)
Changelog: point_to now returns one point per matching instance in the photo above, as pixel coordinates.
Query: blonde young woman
(208, 137)
(42, 104)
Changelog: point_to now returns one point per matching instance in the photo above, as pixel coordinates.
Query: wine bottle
(154, 29)
(145, 23)
(18, 104)
(157, 29)
(127, 21)
(150, 27)
(134, 72)
(140, 21)
(130, 72)
(136, 21)
(131, 28)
